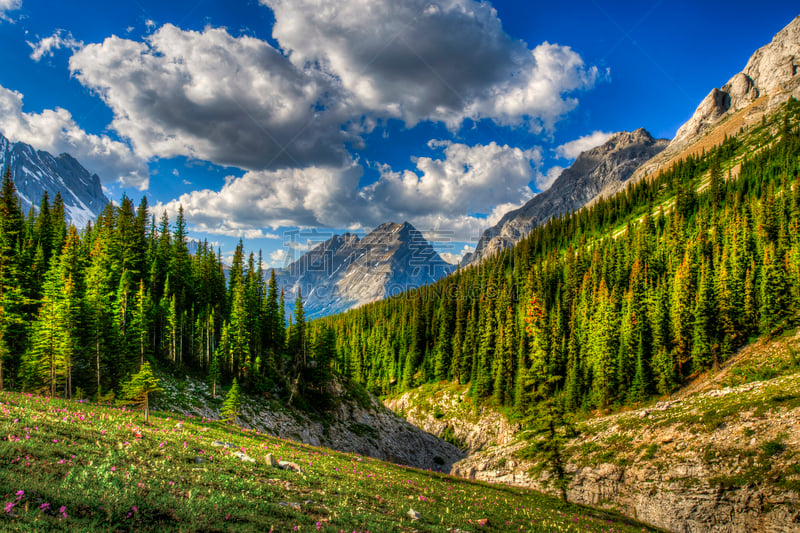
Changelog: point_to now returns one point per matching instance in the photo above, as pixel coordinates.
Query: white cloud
(544, 181)
(46, 46)
(279, 258)
(8, 5)
(341, 69)
(55, 131)
(467, 179)
(208, 95)
(455, 259)
(573, 149)
(483, 179)
(445, 60)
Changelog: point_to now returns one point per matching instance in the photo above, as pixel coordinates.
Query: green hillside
(76, 466)
(613, 304)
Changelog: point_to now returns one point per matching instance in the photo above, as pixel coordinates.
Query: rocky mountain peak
(600, 171)
(346, 271)
(36, 171)
(773, 71)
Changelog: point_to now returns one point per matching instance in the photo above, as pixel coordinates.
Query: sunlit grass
(84, 467)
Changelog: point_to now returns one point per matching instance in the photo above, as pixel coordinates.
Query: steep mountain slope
(592, 172)
(345, 271)
(771, 76)
(719, 455)
(37, 171)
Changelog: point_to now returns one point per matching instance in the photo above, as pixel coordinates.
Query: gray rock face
(696, 479)
(37, 171)
(366, 428)
(771, 76)
(345, 271)
(601, 170)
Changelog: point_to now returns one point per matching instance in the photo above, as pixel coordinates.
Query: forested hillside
(604, 306)
(614, 303)
(80, 312)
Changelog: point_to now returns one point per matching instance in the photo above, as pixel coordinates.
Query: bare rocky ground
(355, 422)
(722, 455)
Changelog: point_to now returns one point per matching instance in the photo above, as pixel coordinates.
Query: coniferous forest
(80, 312)
(620, 301)
(612, 304)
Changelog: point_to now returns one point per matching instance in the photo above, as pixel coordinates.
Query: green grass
(83, 467)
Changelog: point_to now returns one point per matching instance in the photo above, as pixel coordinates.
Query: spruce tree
(139, 388)
(232, 406)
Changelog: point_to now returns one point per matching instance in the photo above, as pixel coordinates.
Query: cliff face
(601, 170)
(770, 78)
(455, 418)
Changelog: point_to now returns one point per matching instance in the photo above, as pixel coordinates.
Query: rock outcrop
(455, 418)
(597, 171)
(771, 76)
(718, 462)
(354, 423)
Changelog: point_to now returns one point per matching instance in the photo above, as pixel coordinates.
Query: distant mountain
(771, 77)
(593, 172)
(35, 171)
(345, 271)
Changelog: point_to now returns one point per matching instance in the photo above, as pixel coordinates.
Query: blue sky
(261, 117)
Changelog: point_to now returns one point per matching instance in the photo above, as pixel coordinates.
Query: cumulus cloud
(211, 96)
(483, 180)
(55, 131)
(544, 181)
(467, 179)
(8, 5)
(455, 258)
(341, 68)
(573, 149)
(420, 60)
(46, 46)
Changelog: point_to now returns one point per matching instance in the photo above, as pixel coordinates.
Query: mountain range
(36, 171)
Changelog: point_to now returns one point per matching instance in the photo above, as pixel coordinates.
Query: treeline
(79, 312)
(611, 304)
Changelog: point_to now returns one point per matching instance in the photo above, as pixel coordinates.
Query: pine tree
(214, 374)
(139, 388)
(232, 406)
(297, 345)
(12, 299)
(703, 331)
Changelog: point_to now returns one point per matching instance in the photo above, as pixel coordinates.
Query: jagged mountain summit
(593, 172)
(345, 272)
(35, 171)
(770, 78)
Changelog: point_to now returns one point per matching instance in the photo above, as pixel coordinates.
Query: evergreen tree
(139, 388)
(232, 406)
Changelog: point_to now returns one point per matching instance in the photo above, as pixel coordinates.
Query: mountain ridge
(770, 77)
(593, 171)
(36, 171)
